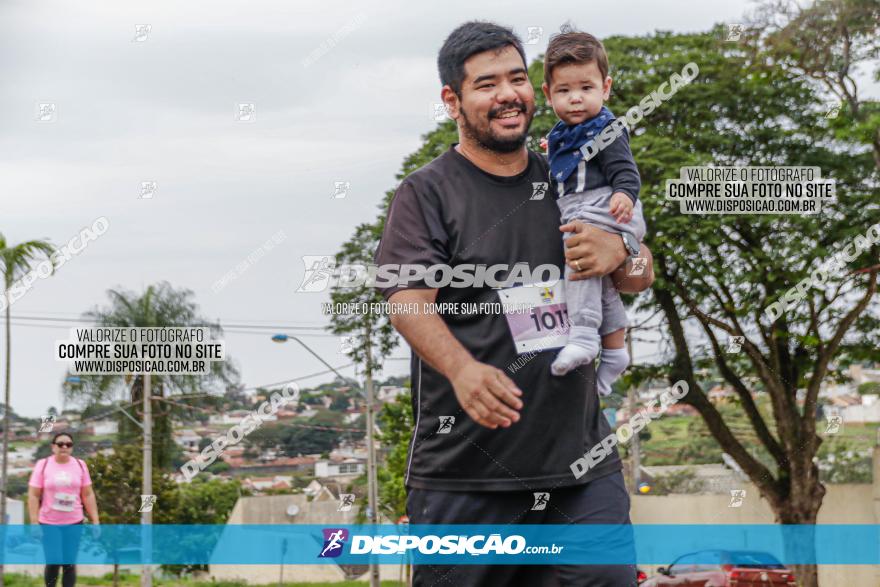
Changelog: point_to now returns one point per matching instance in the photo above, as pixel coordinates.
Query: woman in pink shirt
(59, 489)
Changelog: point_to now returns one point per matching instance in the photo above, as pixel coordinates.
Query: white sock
(611, 365)
(574, 355)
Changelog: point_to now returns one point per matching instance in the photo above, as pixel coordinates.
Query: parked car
(723, 568)
(642, 576)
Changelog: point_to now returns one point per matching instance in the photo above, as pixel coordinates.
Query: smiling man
(496, 433)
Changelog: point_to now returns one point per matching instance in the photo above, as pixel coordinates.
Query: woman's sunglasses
(64, 444)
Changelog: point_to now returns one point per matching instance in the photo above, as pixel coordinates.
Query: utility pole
(631, 400)
(372, 482)
(147, 514)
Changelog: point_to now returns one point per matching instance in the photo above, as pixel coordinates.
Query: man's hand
(591, 251)
(621, 207)
(488, 396)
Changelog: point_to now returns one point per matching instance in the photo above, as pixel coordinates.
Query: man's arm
(488, 396)
(598, 253)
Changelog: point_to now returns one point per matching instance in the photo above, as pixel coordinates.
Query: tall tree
(159, 305)
(716, 274)
(16, 261)
(829, 41)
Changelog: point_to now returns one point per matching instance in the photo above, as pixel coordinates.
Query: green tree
(116, 480)
(396, 423)
(16, 261)
(159, 305)
(720, 272)
(828, 41)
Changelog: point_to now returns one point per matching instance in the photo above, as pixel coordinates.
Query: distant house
(263, 483)
(231, 418)
(350, 467)
(188, 439)
(102, 428)
(389, 393)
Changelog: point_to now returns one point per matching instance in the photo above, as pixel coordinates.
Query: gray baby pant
(595, 303)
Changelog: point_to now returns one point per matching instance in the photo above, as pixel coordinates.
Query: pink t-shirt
(61, 484)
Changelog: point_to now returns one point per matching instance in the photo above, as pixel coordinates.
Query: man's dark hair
(571, 46)
(469, 39)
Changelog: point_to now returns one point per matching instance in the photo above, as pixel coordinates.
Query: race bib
(537, 316)
(63, 502)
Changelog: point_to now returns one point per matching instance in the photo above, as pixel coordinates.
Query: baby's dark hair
(573, 46)
(60, 434)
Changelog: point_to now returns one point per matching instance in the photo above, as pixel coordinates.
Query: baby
(598, 184)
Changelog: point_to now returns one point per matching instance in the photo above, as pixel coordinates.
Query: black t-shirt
(452, 212)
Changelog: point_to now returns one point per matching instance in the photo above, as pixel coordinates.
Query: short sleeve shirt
(452, 212)
(62, 486)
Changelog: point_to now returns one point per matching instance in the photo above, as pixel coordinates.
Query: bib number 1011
(550, 320)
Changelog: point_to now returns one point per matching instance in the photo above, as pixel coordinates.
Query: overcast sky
(161, 107)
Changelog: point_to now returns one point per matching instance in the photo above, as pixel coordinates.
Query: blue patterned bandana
(564, 143)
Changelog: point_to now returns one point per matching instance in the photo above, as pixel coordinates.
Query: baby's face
(577, 91)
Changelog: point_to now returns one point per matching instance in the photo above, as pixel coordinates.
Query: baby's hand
(621, 207)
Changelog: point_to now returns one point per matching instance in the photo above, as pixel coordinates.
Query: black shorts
(601, 501)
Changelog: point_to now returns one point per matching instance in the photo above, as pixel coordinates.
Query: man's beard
(487, 139)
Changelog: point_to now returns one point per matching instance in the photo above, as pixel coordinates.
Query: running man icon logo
(346, 500)
(147, 502)
(141, 32)
(246, 112)
(340, 189)
(319, 270)
(446, 423)
(834, 420)
(734, 345)
(46, 112)
(334, 540)
(539, 190)
(148, 189)
(734, 32)
(534, 34)
(48, 422)
(737, 497)
(639, 264)
(439, 112)
(541, 500)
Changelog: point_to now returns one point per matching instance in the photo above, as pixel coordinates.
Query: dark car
(723, 568)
